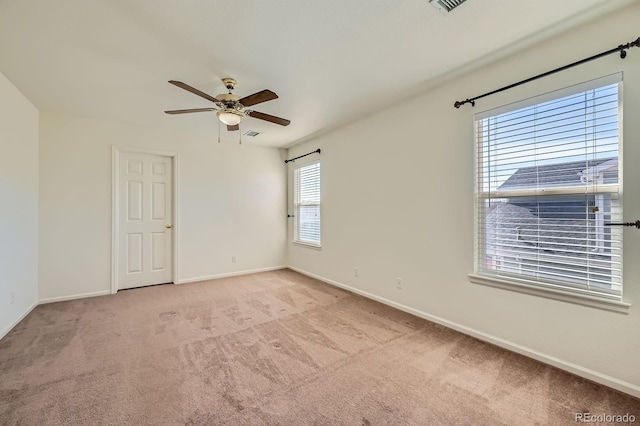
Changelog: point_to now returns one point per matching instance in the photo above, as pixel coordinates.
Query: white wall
(231, 203)
(18, 205)
(398, 196)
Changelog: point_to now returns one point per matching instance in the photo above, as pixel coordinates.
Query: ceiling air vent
(252, 133)
(446, 6)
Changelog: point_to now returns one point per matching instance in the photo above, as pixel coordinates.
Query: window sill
(308, 245)
(594, 302)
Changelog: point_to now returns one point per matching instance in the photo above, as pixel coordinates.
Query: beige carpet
(274, 348)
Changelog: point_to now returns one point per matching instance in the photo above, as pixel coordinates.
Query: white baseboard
(108, 292)
(73, 297)
(230, 274)
(20, 318)
(184, 281)
(578, 370)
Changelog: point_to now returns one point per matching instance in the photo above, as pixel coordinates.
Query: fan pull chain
(240, 134)
(218, 130)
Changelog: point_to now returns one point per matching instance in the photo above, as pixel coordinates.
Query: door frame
(115, 208)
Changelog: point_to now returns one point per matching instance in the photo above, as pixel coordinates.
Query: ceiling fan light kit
(231, 108)
(229, 118)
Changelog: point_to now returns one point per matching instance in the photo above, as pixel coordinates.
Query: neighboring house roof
(546, 243)
(515, 230)
(560, 174)
(502, 222)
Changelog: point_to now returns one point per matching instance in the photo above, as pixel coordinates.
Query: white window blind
(306, 182)
(548, 179)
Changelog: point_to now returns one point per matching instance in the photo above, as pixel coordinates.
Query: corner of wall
(19, 138)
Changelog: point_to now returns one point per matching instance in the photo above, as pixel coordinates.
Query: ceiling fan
(231, 108)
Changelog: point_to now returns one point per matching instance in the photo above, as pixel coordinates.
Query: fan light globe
(229, 118)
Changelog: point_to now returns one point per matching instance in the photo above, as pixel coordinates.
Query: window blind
(307, 204)
(548, 179)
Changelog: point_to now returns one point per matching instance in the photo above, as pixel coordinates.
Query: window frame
(296, 206)
(530, 286)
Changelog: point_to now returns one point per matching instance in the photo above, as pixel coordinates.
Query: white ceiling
(330, 61)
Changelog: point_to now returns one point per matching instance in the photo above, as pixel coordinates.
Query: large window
(306, 200)
(548, 181)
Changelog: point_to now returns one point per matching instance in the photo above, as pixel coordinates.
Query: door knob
(168, 226)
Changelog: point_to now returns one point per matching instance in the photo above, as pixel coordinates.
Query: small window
(548, 181)
(306, 200)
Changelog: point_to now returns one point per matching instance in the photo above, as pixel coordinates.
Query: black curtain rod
(304, 155)
(636, 224)
(623, 54)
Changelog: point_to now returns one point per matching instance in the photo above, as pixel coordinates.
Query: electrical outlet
(234, 259)
(12, 298)
(399, 283)
(356, 272)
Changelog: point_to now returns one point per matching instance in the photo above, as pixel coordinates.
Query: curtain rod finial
(458, 104)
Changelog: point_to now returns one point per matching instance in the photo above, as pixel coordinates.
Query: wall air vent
(446, 6)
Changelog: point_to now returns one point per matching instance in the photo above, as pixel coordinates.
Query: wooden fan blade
(267, 117)
(258, 98)
(187, 111)
(193, 90)
(232, 128)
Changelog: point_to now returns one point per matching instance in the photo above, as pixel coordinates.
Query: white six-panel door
(145, 220)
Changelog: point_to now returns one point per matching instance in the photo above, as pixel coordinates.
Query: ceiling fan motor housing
(229, 101)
